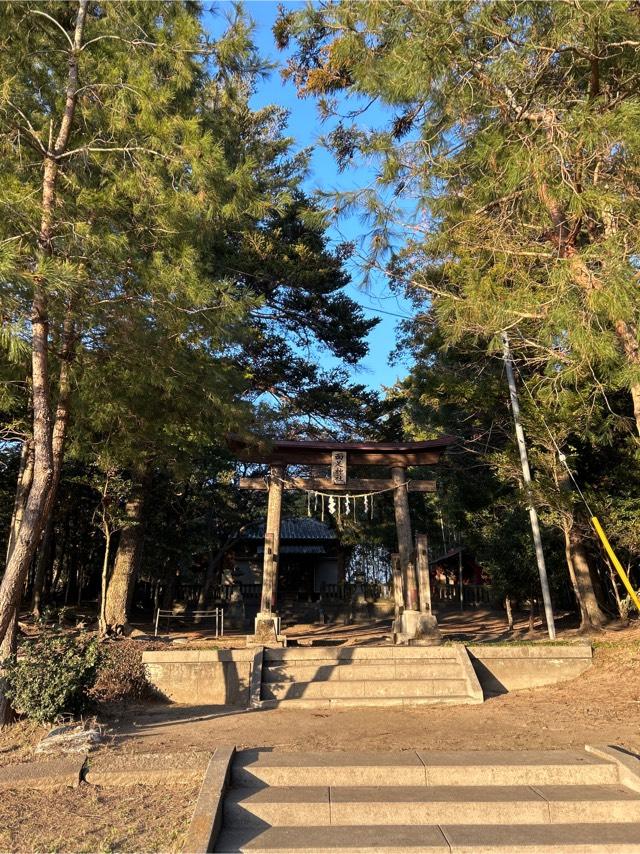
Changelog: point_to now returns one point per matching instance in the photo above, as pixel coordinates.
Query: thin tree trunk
(9, 643)
(8, 647)
(38, 501)
(616, 592)
(507, 605)
(61, 557)
(532, 614)
(25, 479)
(212, 574)
(43, 566)
(127, 560)
(104, 578)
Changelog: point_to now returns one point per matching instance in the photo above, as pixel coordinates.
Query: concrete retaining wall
(223, 677)
(201, 676)
(510, 668)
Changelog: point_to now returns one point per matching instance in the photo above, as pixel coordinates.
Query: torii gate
(411, 572)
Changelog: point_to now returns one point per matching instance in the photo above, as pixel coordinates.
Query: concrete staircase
(506, 802)
(368, 676)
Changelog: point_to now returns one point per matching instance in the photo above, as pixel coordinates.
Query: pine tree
(514, 135)
(107, 173)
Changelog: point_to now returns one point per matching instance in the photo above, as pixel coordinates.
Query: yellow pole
(614, 560)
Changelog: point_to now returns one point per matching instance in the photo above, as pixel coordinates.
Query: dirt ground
(600, 706)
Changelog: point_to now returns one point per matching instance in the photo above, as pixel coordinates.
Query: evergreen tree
(514, 135)
(108, 172)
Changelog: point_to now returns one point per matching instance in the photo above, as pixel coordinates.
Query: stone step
(584, 838)
(516, 768)
(358, 653)
(330, 670)
(369, 689)
(377, 702)
(400, 805)
(417, 768)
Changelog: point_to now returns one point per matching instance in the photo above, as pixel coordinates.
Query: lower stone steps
(459, 838)
(473, 802)
(257, 768)
(388, 805)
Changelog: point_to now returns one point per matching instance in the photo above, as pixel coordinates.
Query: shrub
(52, 676)
(120, 676)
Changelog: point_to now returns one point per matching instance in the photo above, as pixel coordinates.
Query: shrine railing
(248, 591)
(472, 594)
(373, 590)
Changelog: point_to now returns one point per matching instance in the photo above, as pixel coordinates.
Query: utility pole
(526, 476)
(461, 588)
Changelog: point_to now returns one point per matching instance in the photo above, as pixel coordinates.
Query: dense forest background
(167, 280)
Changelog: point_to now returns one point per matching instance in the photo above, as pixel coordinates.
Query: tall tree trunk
(127, 560)
(584, 615)
(38, 502)
(9, 643)
(592, 618)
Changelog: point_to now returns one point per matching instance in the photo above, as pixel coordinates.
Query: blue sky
(306, 128)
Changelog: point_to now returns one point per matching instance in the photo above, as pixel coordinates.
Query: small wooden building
(310, 558)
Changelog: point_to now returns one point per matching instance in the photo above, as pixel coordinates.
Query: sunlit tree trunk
(508, 609)
(40, 500)
(127, 560)
(591, 615)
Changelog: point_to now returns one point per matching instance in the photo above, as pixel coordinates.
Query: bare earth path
(602, 705)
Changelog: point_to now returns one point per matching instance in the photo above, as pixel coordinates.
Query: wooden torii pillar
(267, 625)
(405, 538)
(411, 579)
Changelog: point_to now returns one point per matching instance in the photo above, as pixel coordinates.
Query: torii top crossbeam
(319, 452)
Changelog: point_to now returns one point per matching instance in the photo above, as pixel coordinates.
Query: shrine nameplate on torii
(341, 457)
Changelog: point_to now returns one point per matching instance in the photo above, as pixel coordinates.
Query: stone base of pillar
(267, 631)
(416, 628)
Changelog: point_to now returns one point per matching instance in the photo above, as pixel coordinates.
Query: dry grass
(94, 819)
(18, 740)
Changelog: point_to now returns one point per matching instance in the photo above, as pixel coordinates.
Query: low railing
(248, 591)
(344, 591)
(472, 594)
(216, 614)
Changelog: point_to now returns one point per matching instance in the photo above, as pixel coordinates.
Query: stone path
(501, 801)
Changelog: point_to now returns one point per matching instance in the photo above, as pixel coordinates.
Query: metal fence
(216, 614)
